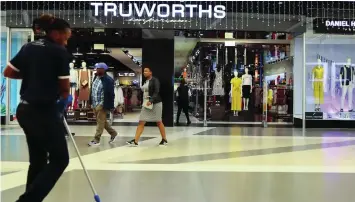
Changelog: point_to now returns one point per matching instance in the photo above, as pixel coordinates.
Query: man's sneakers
(94, 143)
(97, 142)
(113, 139)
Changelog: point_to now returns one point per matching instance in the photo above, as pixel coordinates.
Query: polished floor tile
(248, 164)
(151, 186)
(14, 147)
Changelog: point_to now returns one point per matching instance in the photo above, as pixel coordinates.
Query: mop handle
(79, 156)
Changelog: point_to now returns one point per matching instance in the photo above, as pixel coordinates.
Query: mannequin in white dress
(247, 87)
(74, 80)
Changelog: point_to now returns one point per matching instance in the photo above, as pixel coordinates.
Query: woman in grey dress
(152, 108)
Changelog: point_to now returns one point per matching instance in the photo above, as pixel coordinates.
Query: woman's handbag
(145, 102)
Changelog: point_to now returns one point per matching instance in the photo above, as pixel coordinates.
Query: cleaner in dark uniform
(43, 66)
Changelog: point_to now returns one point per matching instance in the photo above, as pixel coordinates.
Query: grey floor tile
(14, 147)
(244, 153)
(8, 172)
(260, 131)
(140, 186)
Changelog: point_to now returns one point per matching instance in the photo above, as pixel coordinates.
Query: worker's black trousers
(47, 149)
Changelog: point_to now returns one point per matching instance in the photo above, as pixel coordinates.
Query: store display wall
(298, 76)
(329, 92)
(3, 65)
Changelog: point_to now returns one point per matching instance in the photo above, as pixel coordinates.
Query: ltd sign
(125, 74)
(159, 11)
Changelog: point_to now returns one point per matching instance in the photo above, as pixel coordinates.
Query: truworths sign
(159, 10)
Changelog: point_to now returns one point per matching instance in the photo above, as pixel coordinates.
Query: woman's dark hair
(148, 68)
(48, 23)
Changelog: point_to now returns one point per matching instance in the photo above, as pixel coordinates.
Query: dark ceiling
(308, 8)
(83, 40)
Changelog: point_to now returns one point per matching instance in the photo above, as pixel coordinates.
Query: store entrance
(235, 81)
(17, 37)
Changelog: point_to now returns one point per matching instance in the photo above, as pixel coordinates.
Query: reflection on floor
(130, 117)
(248, 164)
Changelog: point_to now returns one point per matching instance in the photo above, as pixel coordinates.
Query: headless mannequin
(84, 68)
(347, 87)
(74, 81)
(235, 113)
(246, 86)
(317, 103)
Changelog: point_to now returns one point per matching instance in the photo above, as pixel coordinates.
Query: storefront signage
(127, 74)
(314, 115)
(334, 26)
(159, 11)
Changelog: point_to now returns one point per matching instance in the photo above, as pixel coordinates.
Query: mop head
(97, 198)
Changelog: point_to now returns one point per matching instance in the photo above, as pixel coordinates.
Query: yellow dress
(318, 91)
(236, 94)
(270, 97)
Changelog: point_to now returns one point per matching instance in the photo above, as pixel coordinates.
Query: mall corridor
(248, 164)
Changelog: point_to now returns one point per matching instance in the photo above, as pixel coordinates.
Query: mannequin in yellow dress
(236, 94)
(318, 79)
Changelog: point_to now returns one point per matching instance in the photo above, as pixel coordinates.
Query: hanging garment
(236, 100)
(258, 96)
(134, 98)
(84, 91)
(119, 99)
(217, 84)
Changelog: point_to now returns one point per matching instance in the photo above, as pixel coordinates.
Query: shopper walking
(102, 100)
(152, 108)
(183, 93)
(43, 66)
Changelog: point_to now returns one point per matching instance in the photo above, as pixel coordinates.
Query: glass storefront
(330, 76)
(226, 78)
(18, 37)
(3, 63)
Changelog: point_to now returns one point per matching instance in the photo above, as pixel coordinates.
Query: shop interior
(235, 75)
(121, 51)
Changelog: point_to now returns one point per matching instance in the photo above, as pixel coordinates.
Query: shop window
(3, 65)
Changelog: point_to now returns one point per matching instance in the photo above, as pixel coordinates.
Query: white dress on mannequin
(217, 84)
(119, 99)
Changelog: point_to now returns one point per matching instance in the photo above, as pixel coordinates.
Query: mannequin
(74, 80)
(236, 94)
(218, 83)
(84, 82)
(318, 90)
(347, 83)
(247, 87)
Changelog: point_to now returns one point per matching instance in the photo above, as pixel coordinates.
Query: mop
(96, 196)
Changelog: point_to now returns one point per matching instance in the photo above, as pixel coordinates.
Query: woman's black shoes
(132, 143)
(163, 142)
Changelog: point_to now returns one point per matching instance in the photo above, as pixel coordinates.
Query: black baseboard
(3, 120)
(324, 123)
